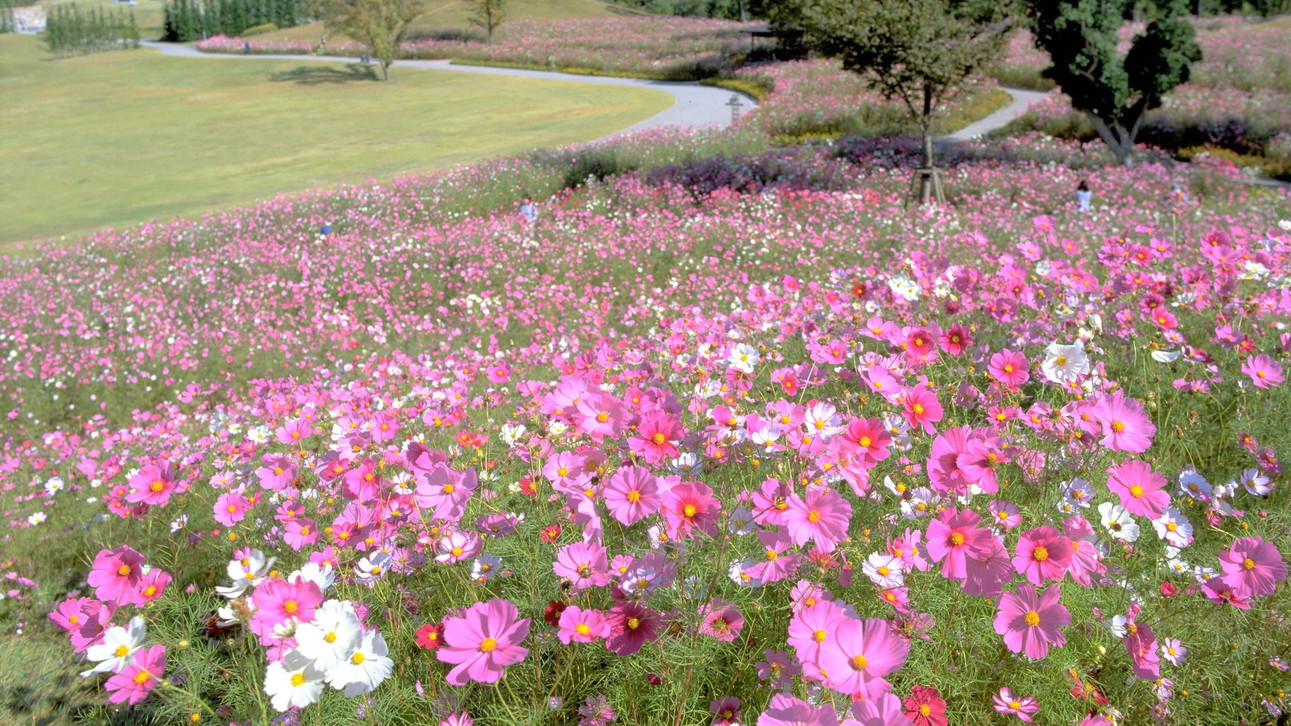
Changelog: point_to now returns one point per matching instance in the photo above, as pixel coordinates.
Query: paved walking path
(695, 105)
(1021, 100)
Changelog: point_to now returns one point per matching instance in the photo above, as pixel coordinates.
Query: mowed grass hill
(119, 138)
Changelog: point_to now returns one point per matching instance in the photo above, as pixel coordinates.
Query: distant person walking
(1084, 197)
(1177, 195)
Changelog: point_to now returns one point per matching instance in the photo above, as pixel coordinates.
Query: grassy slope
(118, 138)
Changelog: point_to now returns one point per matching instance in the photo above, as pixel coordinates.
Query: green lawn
(119, 138)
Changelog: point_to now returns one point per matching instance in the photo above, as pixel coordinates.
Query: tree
(378, 24)
(488, 15)
(916, 51)
(1115, 91)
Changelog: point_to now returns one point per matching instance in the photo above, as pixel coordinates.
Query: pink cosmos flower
(1265, 372)
(1009, 368)
(445, 491)
(778, 670)
(85, 620)
(952, 537)
(774, 565)
(582, 626)
(482, 641)
(726, 711)
(1022, 707)
(785, 710)
(277, 473)
(583, 563)
(230, 508)
(657, 437)
(921, 407)
(810, 627)
(1142, 491)
(1030, 623)
(1042, 554)
(689, 506)
(115, 576)
(632, 494)
(1141, 643)
(861, 651)
(1126, 426)
(1253, 567)
(632, 625)
(136, 681)
(278, 601)
(721, 620)
(871, 437)
(153, 584)
(821, 516)
(987, 569)
(956, 340)
(154, 484)
(300, 533)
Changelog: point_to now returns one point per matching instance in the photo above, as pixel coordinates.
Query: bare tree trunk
(925, 125)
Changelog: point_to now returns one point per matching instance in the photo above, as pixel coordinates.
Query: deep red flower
(429, 636)
(925, 707)
(551, 613)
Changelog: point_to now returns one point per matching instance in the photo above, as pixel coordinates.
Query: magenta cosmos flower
(1020, 706)
(1253, 567)
(483, 641)
(657, 437)
(153, 485)
(1126, 426)
(583, 563)
(1265, 372)
(278, 601)
(921, 407)
(582, 626)
(1010, 368)
(1142, 491)
(632, 494)
(115, 576)
(953, 537)
(690, 506)
(1042, 554)
(821, 515)
(871, 438)
(136, 681)
(721, 620)
(785, 710)
(1030, 623)
(632, 625)
(861, 651)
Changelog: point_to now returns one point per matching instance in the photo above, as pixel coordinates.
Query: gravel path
(1021, 100)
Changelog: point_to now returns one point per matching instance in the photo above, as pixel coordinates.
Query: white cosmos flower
(741, 521)
(883, 570)
(36, 518)
(246, 573)
(1256, 483)
(118, 647)
(321, 575)
(1165, 356)
(1174, 528)
(365, 669)
(743, 358)
(1118, 522)
(1192, 484)
(1065, 363)
(295, 682)
(331, 636)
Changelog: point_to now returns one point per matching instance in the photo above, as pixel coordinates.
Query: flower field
(763, 447)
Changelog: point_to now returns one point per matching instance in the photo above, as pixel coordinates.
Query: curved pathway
(694, 105)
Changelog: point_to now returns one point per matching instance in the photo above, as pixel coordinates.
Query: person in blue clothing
(528, 211)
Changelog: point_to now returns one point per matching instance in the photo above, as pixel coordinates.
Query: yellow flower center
(488, 645)
(884, 571)
(918, 408)
(689, 510)
(1032, 618)
(813, 516)
(123, 570)
(1248, 564)
(330, 637)
(1061, 360)
(658, 439)
(298, 679)
(818, 636)
(865, 441)
(290, 607)
(772, 555)
(1040, 554)
(634, 496)
(859, 662)
(120, 651)
(1136, 491)
(156, 486)
(925, 709)
(634, 623)
(582, 629)
(1118, 427)
(141, 677)
(449, 488)
(358, 658)
(956, 539)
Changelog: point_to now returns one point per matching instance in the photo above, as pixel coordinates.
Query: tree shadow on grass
(323, 75)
